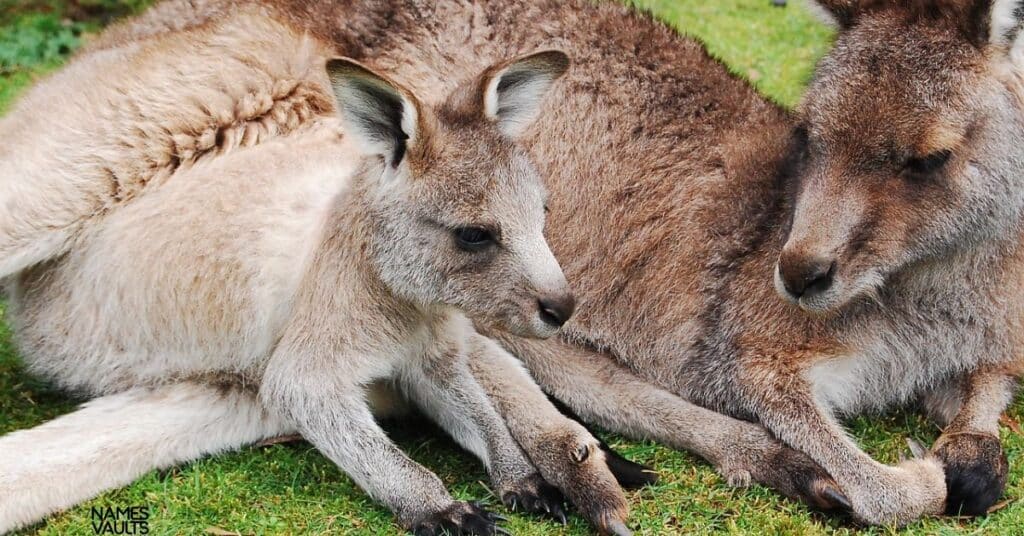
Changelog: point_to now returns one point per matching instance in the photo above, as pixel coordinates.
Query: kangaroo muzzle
(805, 276)
(555, 311)
(554, 300)
(812, 262)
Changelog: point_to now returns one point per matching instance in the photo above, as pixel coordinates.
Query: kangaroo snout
(805, 276)
(555, 310)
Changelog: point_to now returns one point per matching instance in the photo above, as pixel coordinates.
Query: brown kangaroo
(733, 262)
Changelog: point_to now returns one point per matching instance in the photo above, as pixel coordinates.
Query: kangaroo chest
(905, 350)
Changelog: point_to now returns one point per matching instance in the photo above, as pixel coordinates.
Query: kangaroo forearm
(564, 452)
(878, 493)
(458, 403)
(606, 393)
(987, 394)
(349, 437)
(798, 422)
(332, 414)
(976, 468)
(519, 400)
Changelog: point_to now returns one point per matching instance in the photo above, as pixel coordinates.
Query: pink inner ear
(1005, 21)
(491, 96)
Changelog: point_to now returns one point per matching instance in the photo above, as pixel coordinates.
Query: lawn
(291, 489)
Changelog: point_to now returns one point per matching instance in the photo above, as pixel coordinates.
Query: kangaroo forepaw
(976, 471)
(629, 474)
(460, 519)
(796, 476)
(534, 495)
(900, 494)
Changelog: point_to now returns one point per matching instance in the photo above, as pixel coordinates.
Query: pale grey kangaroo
(299, 281)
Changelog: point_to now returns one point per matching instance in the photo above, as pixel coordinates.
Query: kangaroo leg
(969, 448)
(447, 392)
(113, 440)
(566, 454)
(605, 393)
(880, 494)
(325, 398)
(628, 474)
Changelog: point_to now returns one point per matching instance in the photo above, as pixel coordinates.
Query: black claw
(511, 499)
(536, 496)
(449, 527)
(630, 475)
(503, 532)
(559, 515)
(460, 519)
(478, 526)
(837, 498)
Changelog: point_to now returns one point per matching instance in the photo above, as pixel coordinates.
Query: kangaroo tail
(115, 439)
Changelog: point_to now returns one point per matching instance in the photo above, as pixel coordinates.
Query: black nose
(556, 311)
(806, 277)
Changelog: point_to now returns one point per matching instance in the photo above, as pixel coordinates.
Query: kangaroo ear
(1005, 19)
(380, 115)
(838, 13)
(514, 90)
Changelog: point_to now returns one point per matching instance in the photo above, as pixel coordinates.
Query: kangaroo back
(125, 129)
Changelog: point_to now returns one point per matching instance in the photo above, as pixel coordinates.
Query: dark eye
(926, 165)
(473, 238)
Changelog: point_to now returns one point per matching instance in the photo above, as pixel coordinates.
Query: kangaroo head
(458, 207)
(912, 140)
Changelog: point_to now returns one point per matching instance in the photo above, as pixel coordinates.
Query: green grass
(291, 489)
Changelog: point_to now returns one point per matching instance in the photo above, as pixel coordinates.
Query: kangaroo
(311, 276)
(734, 262)
(859, 254)
(743, 274)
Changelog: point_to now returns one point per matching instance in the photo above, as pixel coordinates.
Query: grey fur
(310, 282)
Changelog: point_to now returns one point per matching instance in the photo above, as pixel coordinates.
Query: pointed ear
(837, 13)
(1005, 20)
(514, 90)
(380, 115)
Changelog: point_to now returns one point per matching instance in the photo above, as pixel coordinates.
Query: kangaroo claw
(916, 448)
(617, 528)
(836, 498)
(537, 496)
(461, 518)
